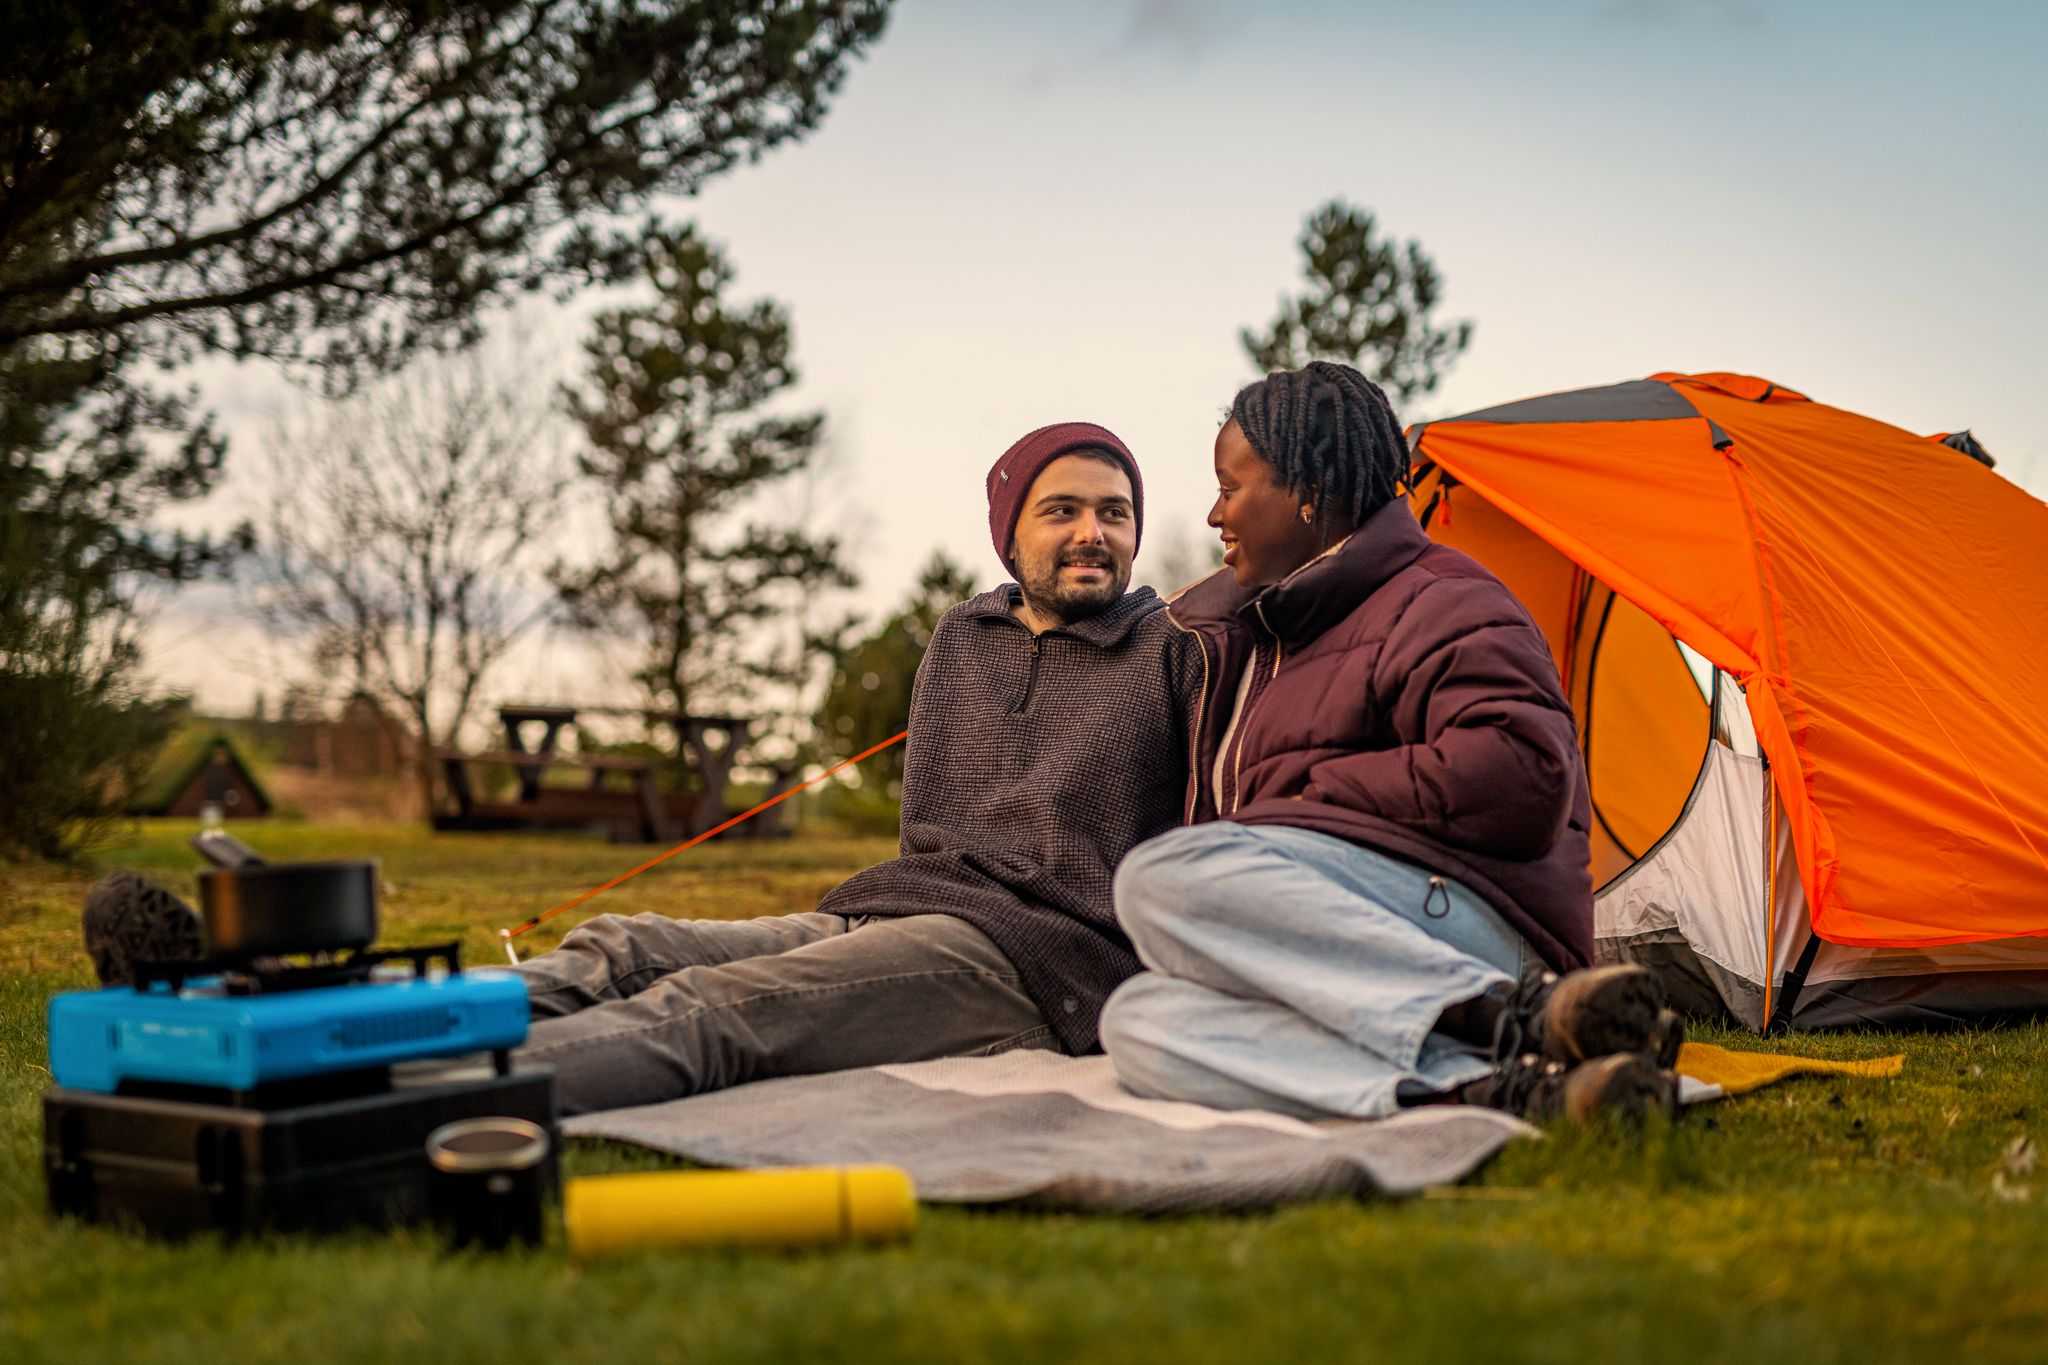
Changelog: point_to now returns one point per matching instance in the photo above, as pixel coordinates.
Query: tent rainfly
(1804, 648)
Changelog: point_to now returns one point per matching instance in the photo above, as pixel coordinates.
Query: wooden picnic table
(635, 815)
(709, 744)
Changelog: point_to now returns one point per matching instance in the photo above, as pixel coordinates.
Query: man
(1048, 736)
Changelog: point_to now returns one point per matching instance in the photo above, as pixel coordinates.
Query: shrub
(71, 749)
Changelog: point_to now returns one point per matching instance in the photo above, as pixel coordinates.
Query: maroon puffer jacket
(1402, 699)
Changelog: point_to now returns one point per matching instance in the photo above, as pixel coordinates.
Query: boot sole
(1604, 1010)
(1631, 1092)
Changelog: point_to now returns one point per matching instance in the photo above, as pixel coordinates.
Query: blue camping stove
(238, 1030)
(256, 1095)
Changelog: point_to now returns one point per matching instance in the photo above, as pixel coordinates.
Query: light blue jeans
(1293, 971)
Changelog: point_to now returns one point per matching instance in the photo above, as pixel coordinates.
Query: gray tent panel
(1935, 1000)
(1638, 400)
(1972, 447)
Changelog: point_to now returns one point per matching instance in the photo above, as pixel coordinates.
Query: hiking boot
(1625, 1085)
(129, 919)
(1595, 1012)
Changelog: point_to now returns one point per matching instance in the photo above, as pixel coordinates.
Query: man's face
(1076, 538)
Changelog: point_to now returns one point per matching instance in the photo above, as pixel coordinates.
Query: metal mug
(489, 1180)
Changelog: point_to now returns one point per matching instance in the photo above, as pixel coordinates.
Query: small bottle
(796, 1206)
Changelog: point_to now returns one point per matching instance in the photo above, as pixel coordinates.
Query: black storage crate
(318, 1155)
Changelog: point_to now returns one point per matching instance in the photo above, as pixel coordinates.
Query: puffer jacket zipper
(1261, 679)
(1237, 724)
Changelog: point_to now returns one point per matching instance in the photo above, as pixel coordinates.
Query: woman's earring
(1308, 516)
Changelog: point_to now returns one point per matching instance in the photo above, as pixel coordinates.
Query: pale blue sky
(1019, 214)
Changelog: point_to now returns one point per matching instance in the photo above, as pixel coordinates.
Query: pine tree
(1367, 302)
(671, 408)
(88, 455)
(868, 698)
(341, 183)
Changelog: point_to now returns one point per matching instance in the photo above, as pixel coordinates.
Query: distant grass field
(1823, 1220)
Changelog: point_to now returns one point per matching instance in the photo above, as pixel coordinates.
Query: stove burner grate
(243, 977)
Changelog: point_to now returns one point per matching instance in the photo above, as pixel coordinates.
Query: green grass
(1823, 1220)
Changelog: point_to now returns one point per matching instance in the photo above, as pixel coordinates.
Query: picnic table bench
(708, 745)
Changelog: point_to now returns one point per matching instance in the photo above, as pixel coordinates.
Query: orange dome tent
(1806, 652)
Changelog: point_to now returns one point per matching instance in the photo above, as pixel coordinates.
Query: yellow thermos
(795, 1206)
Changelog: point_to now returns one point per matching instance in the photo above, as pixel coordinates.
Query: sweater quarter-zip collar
(1105, 629)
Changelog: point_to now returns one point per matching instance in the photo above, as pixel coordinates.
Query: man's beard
(1049, 596)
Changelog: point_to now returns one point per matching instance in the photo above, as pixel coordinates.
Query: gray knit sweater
(1035, 763)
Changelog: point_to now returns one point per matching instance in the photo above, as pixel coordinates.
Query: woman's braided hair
(1330, 435)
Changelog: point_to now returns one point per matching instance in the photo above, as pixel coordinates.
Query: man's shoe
(129, 919)
(1595, 1012)
(1626, 1085)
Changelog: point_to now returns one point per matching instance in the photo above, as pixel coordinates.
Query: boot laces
(1517, 1030)
(1523, 1080)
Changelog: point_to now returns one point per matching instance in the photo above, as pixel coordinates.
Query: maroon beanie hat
(1012, 476)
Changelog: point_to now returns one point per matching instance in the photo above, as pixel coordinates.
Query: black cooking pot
(271, 909)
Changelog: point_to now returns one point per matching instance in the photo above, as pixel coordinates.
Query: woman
(1387, 814)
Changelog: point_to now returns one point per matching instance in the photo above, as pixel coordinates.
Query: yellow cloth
(1740, 1072)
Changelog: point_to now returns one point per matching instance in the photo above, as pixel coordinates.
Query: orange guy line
(775, 800)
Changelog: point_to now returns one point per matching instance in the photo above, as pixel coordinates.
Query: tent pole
(1795, 982)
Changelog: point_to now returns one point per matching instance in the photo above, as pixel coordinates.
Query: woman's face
(1264, 536)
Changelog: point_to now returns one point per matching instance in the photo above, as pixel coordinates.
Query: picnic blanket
(1042, 1129)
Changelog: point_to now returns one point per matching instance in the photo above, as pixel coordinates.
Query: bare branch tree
(407, 534)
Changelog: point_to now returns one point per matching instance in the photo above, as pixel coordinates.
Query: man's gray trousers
(633, 1010)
